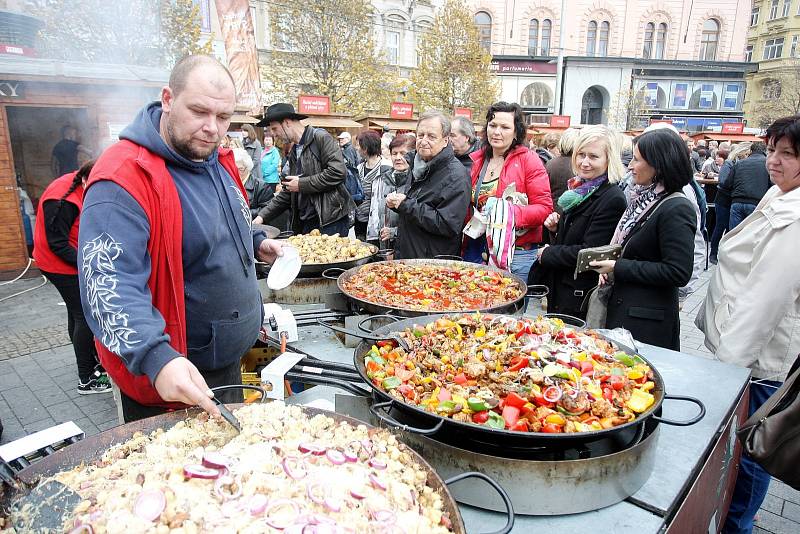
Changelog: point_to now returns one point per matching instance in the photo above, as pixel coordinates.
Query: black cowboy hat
(278, 112)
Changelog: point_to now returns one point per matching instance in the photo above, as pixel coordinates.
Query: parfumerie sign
(11, 89)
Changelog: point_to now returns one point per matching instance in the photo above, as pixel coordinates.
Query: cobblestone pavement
(38, 381)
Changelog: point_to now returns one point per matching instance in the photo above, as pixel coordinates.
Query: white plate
(285, 269)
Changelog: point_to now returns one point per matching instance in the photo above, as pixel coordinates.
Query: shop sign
(655, 121)
(16, 50)
(560, 121)
(401, 110)
(313, 105)
(462, 112)
(503, 66)
(11, 89)
(732, 127)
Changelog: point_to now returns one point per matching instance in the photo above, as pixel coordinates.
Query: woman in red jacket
(55, 242)
(505, 160)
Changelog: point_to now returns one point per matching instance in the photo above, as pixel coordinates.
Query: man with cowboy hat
(313, 176)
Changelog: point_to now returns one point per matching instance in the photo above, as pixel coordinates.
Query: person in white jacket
(751, 315)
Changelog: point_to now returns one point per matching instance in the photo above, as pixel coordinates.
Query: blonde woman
(588, 212)
(722, 202)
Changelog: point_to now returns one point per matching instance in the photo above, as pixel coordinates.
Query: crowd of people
(169, 224)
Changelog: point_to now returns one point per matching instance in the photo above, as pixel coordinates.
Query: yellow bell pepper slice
(648, 386)
(640, 401)
(555, 419)
(635, 374)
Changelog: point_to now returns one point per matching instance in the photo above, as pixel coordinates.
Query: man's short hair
(444, 121)
(66, 128)
(465, 127)
(186, 65)
(758, 147)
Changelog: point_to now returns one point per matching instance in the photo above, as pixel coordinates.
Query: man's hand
(180, 381)
(386, 233)
(291, 184)
(258, 220)
(269, 250)
(393, 200)
(540, 252)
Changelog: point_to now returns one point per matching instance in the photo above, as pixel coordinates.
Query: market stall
(379, 122)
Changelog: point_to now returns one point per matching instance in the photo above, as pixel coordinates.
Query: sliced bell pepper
(444, 395)
(520, 426)
(481, 417)
(496, 421)
(626, 359)
(608, 394)
(510, 415)
(385, 343)
(555, 419)
(391, 382)
(616, 382)
(551, 428)
(517, 363)
(460, 379)
(447, 407)
(635, 374)
(512, 399)
(407, 391)
(538, 400)
(640, 401)
(477, 405)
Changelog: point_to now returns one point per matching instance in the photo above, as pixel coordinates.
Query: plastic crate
(254, 358)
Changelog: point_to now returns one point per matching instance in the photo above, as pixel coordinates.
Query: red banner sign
(462, 112)
(654, 121)
(17, 50)
(401, 110)
(560, 121)
(313, 105)
(733, 127)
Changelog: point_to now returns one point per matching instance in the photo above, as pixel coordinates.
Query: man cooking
(166, 250)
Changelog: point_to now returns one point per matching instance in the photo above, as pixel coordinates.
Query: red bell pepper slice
(510, 415)
(460, 379)
(520, 426)
(617, 382)
(608, 394)
(517, 363)
(551, 428)
(539, 400)
(512, 399)
(444, 395)
(480, 417)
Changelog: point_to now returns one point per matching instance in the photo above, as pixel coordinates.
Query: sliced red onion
(257, 504)
(86, 528)
(333, 504)
(312, 448)
(200, 471)
(350, 456)
(366, 444)
(316, 492)
(377, 482)
(216, 460)
(221, 482)
(149, 504)
(358, 492)
(278, 504)
(294, 467)
(383, 516)
(335, 457)
(320, 519)
(377, 464)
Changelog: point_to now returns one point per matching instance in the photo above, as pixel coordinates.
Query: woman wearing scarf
(382, 223)
(588, 212)
(657, 233)
(369, 170)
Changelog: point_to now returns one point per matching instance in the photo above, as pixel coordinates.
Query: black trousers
(230, 375)
(79, 333)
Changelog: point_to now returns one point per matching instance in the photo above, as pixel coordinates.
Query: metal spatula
(45, 508)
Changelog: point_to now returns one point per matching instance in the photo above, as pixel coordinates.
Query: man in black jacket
(464, 141)
(351, 159)
(433, 211)
(312, 177)
(748, 182)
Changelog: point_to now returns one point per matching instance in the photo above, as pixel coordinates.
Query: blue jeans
(739, 212)
(752, 482)
(523, 261)
(723, 216)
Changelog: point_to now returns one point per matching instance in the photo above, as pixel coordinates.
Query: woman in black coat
(587, 215)
(657, 233)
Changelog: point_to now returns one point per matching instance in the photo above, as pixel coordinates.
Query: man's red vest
(144, 176)
(46, 260)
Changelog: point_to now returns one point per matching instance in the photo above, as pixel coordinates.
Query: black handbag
(771, 436)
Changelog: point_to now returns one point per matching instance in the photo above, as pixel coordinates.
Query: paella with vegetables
(285, 472)
(517, 374)
(429, 287)
(318, 248)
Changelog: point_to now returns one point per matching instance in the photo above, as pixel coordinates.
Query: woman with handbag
(588, 212)
(751, 315)
(657, 235)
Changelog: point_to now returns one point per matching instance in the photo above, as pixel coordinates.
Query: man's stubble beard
(184, 148)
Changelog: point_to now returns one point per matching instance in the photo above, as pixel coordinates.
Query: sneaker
(94, 385)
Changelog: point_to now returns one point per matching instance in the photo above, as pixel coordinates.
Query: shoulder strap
(647, 216)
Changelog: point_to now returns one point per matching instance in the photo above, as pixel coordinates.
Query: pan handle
(242, 386)
(448, 257)
(691, 421)
(355, 333)
(327, 273)
(537, 291)
(498, 488)
(284, 234)
(381, 411)
(371, 317)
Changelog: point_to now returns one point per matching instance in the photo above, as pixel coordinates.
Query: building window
(536, 95)
(547, 28)
(793, 49)
(647, 51)
(709, 40)
(773, 48)
(484, 23)
(772, 90)
(205, 16)
(748, 53)
(787, 4)
(283, 35)
(591, 38)
(754, 15)
(533, 37)
(602, 45)
(393, 47)
(661, 40)
(773, 9)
